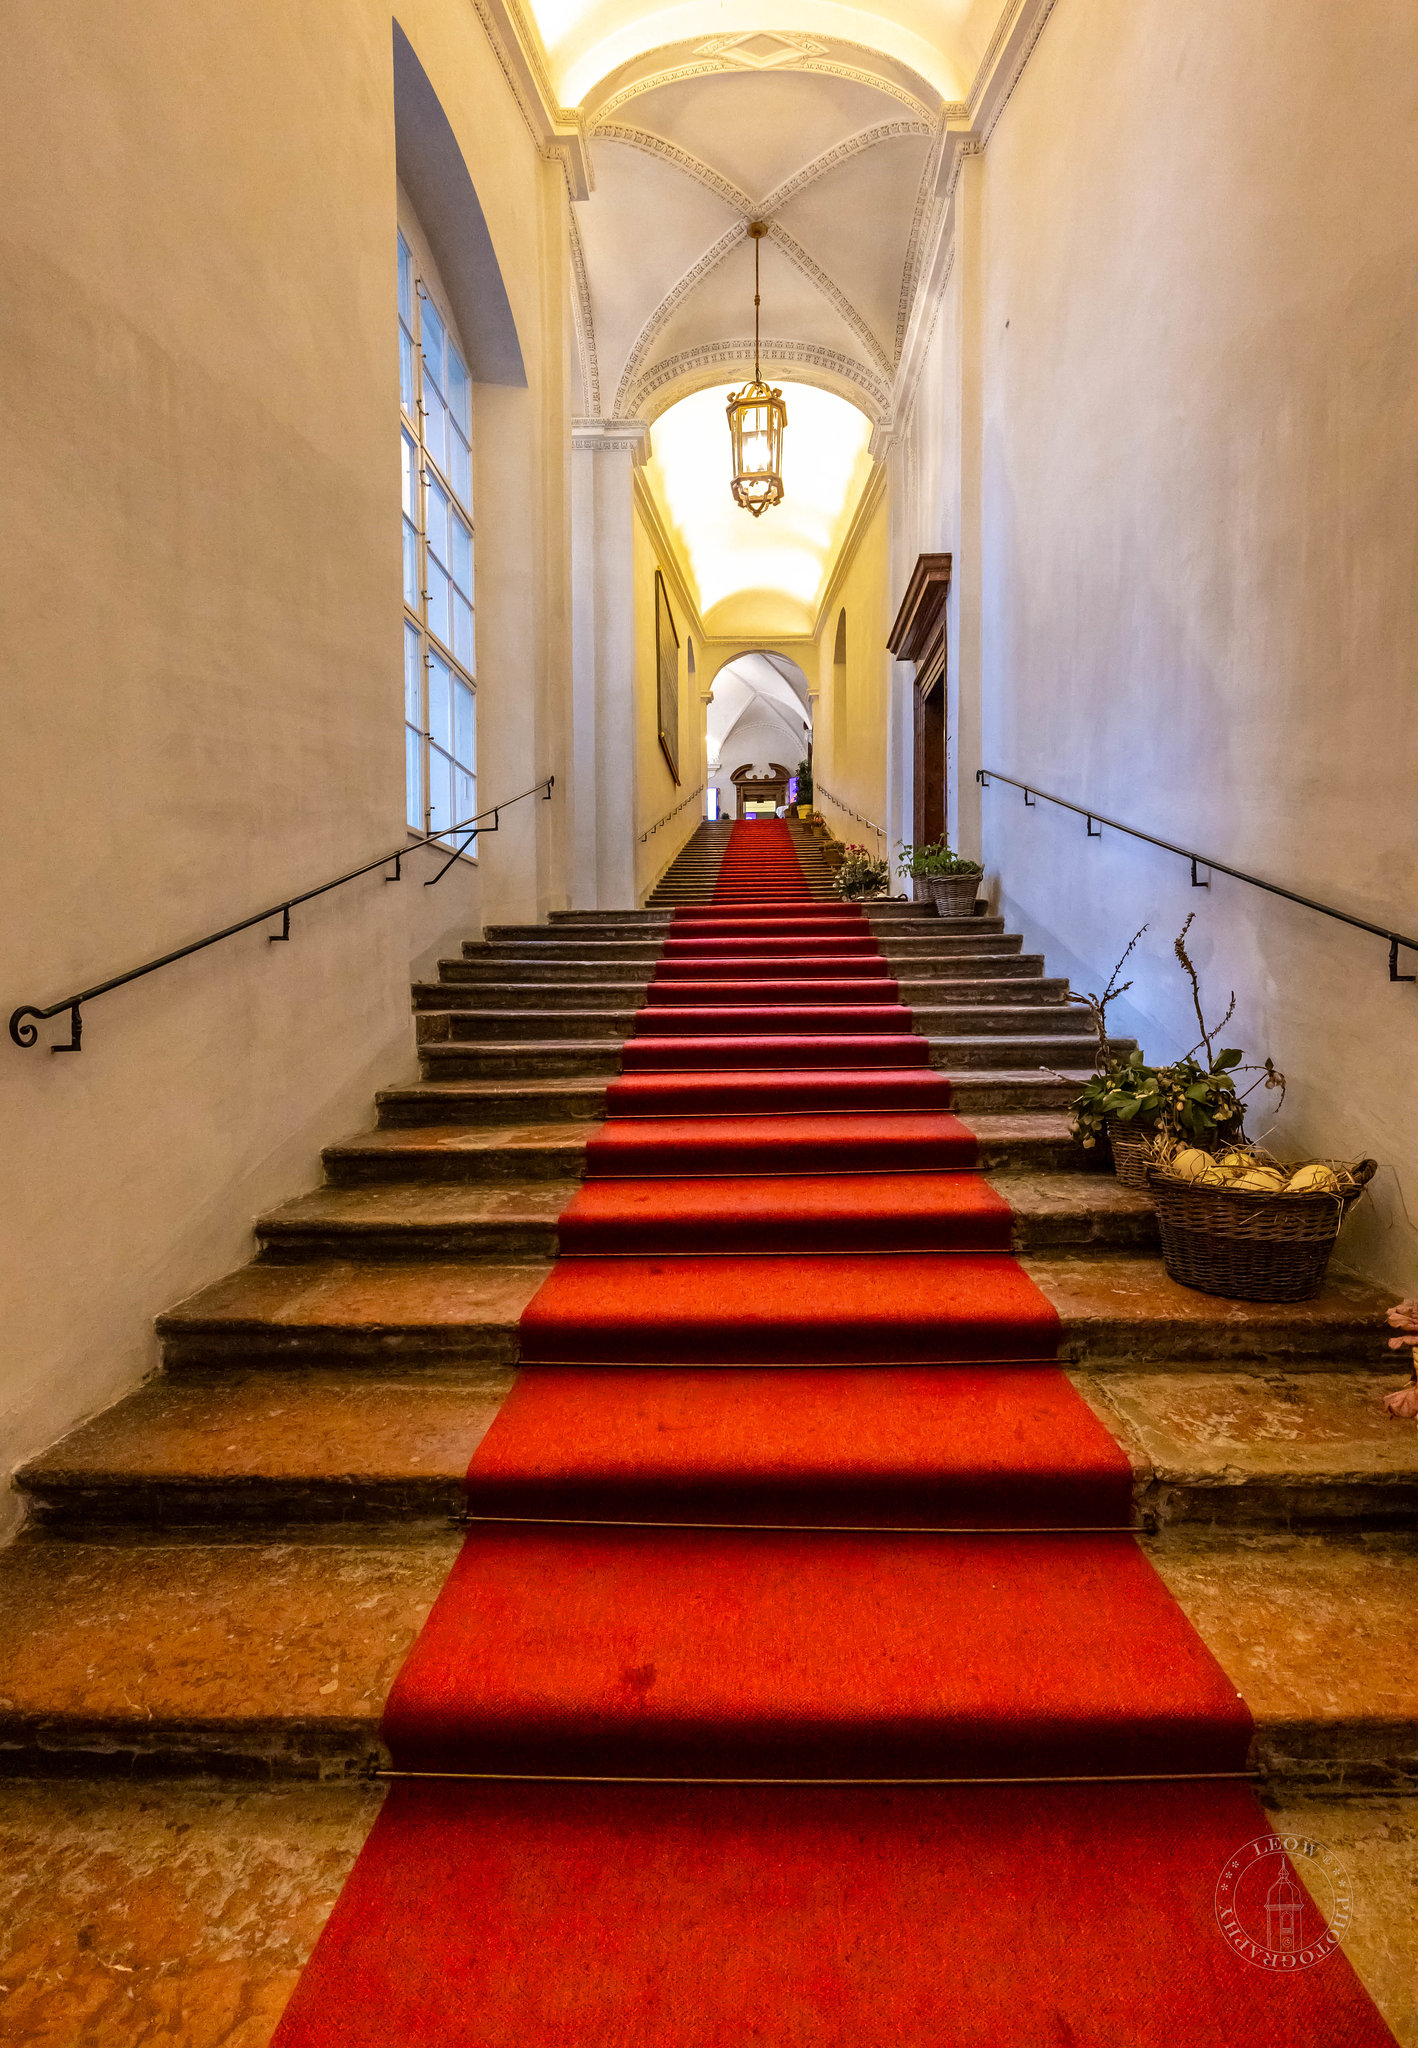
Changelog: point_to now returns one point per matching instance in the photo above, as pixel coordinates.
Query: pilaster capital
(607, 437)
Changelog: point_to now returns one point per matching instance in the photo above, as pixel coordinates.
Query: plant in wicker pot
(861, 875)
(942, 877)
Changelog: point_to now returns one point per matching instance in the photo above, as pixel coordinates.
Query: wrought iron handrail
(671, 814)
(1031, 790)
(821, 789)
(26, 1033)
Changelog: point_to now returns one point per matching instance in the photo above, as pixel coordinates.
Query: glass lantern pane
(413, 675)
(462, 723)
(440, 705)
(413, 779)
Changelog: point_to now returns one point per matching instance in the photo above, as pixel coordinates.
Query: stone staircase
(221, 1575)
(691, 875)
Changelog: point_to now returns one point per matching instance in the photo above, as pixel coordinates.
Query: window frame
(438, 594)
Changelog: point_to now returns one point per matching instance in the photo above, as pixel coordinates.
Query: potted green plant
(861, 874)
(941, 877)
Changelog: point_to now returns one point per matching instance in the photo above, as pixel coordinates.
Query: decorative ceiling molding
(609, 437)
(858, 76)
(1034, 30)
(582, 314)
(884, 131)
(671, 153)
(906, 395)
(559, 132)
(786, 47)
(916, 242)
(837, 298)
(855, 74)
(708, 363)
(645, 339)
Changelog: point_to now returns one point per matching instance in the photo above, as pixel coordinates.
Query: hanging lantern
(757, 417)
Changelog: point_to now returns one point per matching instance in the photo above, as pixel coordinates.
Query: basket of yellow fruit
(1239, 1223)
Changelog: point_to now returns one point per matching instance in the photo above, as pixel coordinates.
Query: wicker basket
(952, 895)
(1250, 1247)
(1132, 1149)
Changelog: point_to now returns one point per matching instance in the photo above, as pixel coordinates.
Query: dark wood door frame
(919, 636)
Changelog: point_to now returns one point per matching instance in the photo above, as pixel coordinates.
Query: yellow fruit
(1261, 1180)
(1237, 1162)
(1190, 1164)
(1213, 1177)
(1313, 1180)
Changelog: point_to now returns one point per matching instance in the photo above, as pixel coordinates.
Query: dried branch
(1097, 1006)
(1180, 949)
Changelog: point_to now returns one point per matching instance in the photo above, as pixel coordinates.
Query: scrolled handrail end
(20, 1032)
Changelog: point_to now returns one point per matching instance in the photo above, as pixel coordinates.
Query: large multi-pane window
(435, 460)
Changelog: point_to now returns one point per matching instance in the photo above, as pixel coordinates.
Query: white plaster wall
(1199, 502)
(199, 558)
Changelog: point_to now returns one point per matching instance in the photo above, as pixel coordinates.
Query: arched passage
(759, 715)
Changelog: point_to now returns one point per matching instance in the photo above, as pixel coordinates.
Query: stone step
(499, 1099)
(497, 1103)
(274, 1654)
(1033, 1143)
(532, 970)
(459, 1152)
(1117, 1310)
(510, 1056)
(919, 991)
(505, 1219)
(1262, 1449)
(469, 1021)
(1221, 1450)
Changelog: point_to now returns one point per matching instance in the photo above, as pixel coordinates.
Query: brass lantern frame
(757, 417)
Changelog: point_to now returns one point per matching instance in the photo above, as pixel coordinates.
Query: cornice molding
(669, 555)
(707, 363)
(582, 315)
(613, 437)
(559, 132)
(917, 241)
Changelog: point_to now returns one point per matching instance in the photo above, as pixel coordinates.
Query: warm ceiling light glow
(778, 570)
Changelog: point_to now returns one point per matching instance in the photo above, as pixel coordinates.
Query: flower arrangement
(861, 874)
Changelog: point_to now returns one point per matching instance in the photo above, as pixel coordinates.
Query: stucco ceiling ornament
(762, 49)
(757, 417)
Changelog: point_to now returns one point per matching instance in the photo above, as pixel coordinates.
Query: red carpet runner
(907, 1559)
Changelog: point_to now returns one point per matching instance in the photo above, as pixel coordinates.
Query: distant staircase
(692, 874)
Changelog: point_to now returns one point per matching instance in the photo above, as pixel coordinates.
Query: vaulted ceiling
(835, 147)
